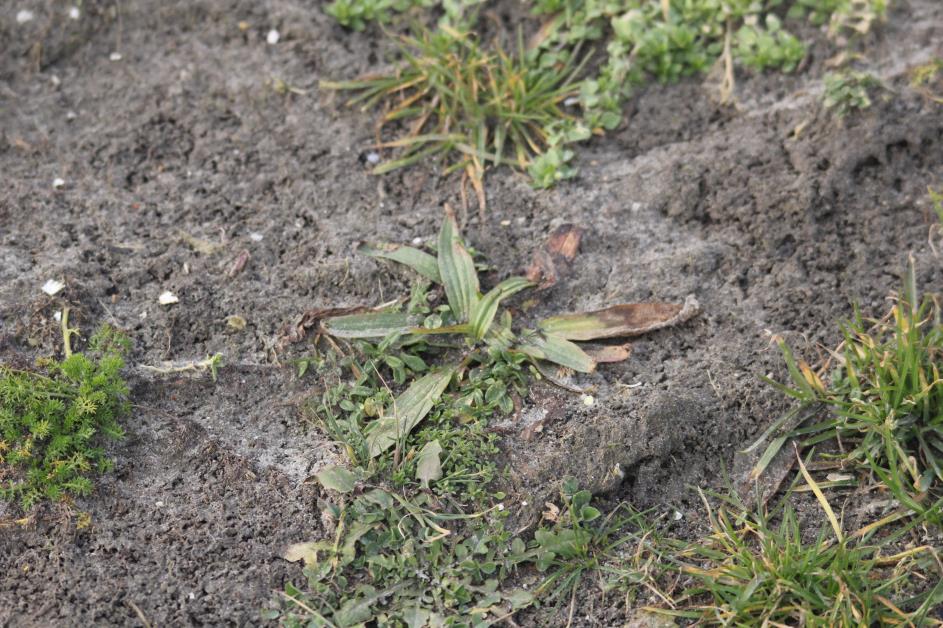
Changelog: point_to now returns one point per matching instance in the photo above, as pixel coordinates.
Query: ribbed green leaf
(558, 350)
(409, 409)
(457, 270)
(369, 325)
(487, 307)
(420, 261)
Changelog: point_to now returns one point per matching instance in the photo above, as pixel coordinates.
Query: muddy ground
(161, 120)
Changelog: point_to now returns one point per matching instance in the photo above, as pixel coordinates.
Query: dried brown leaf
(625, 320)
(561, 248)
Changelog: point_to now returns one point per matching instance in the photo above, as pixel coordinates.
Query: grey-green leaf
(369, 325)
(429, 463)
(558, 350)
(484, 312)
(337, 478)
(409, 409)
(457, 270)
(420, 261)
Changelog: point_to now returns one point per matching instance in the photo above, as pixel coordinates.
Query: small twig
(139, 613)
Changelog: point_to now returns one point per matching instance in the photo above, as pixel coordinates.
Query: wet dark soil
(177, 157)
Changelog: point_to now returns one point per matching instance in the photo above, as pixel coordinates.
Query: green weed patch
(52, 420)
(476, 106)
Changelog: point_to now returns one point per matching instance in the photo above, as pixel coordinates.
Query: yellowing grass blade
(832, 519)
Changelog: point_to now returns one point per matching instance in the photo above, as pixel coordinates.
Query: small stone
(55, 80)
(58, 183)
(74, 13)
(373, 158)
(255, 236)
(24, 16)
(70, 115)
(52, 287)
(417, 241)
(273, 37)
(167, 298)
(58, 316)
(115, 56)
(505, 223)
(588, 400)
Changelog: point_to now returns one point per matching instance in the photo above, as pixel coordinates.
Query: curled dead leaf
(549, 262)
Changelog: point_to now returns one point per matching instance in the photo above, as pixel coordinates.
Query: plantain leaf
(629, 319)
(457, 270)
(420, 261)
(409, 409)
(337, 478)
(369, 325)
(428, 463)
(558, 350)
(483, 314)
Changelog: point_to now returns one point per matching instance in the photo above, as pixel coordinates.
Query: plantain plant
(471, 325)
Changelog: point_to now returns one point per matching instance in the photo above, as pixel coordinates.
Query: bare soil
(773, 213)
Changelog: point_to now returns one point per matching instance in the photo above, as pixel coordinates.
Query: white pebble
(255, 236)
(272, 37)
(24, 16)
(588, 400)
(115, 56)
(55, 80)
(74, 13)
(417, 241)
(58, 183)
(505, 223)
(159, 504)
(373, 158)
(168, 298)
(678, 516)
(52, 287)
(70, 115)
(58, 316)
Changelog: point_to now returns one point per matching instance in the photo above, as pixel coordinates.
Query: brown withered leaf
(295, 331)
(561, 248)
(625, 320)
(609, 353)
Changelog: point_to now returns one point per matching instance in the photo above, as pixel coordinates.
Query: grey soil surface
(774, 214)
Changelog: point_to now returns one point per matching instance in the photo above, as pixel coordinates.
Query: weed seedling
(52, 421)
(846, 92)
(473, 103)
(419, 531)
